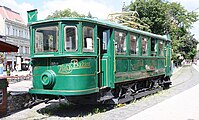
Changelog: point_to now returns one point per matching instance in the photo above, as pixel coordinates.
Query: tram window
(153, 50)
(70, 38)
(1, 96)
(144, 46)
(88, 41)
(46, 39)
(105, 39)
(120, 40)
(133, 44)
(161, 48)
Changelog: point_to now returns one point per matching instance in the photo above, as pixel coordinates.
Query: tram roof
(104, 23)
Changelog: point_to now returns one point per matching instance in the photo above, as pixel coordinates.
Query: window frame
(161, 53)
(136, 46)
(83, 40)
(76, 36)
(126, 35)
(146, 48)
(105, 41)
(154, 52)
(57, 39)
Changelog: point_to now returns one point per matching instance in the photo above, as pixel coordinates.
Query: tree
(173, 18)
(64, 13)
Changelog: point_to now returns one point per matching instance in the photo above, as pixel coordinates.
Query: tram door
(105, 62)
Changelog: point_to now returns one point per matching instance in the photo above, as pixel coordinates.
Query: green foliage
(64, 13)
(1, 57)
(169, 18)
(149, 13)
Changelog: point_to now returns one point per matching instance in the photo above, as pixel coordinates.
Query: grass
(71, 110)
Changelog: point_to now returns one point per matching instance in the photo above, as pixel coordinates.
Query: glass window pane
(144, 46)
(160, 47)
(153, 51)
(120, 41)
(105, 39)
(70, 38)
(88, 39)
(46, 39)
(133, 44)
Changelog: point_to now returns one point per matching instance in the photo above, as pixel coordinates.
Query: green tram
(84, 59)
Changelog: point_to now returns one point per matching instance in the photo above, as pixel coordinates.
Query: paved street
(183, 106)
(180, 107)
(176, 102)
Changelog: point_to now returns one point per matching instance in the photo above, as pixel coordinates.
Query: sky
(98, 8)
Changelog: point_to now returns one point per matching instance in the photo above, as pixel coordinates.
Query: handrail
(99, 56)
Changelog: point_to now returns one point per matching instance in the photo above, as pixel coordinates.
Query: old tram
(84, 59)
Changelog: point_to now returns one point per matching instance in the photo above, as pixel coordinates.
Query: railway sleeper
(148, 92)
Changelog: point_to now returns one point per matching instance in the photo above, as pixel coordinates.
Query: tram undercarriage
(122, 93)
(126, 92)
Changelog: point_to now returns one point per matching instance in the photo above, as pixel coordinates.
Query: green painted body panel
(138, 68)
(107, 73)
(74, 74)
(168, 60)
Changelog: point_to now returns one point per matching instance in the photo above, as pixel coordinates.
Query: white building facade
(15, 32)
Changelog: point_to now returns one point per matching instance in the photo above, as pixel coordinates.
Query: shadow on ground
(71, 110)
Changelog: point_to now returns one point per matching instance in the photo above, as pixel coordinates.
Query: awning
(6, 47)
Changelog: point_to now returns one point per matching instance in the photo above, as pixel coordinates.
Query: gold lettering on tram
(74, 64)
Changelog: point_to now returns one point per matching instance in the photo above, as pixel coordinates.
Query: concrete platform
(22, 86)
(184, 106)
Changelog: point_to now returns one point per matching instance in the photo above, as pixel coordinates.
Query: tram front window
(88, 41)
(70, 38)
(46, 39)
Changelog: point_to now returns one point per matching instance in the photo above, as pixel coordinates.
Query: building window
(46, 39)
(25, 35)
(24, 50)
(21, 49)
(16, 32)
(71, 38)
(13, 32)
(144, 46)
(1, 96)
(133, 44)
(19, 33)
(120, 42)
(27, 50)
(22, 34)
(8, 30)
(88, 39)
